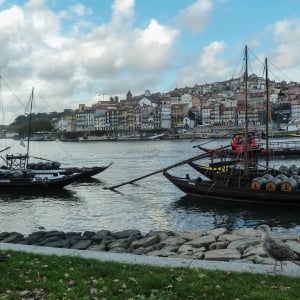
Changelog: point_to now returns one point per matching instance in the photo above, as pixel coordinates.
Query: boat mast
(29, 126)
(268, 114)
(246, 114)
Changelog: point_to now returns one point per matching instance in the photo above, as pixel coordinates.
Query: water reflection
(233, 216)
(59, 194)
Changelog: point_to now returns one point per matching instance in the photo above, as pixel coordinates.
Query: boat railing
(279, 145)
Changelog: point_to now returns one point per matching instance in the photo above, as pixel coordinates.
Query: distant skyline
(70, 51)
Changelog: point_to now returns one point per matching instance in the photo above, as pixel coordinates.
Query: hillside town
(219, 104)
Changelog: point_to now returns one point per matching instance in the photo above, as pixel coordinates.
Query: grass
(32, 276)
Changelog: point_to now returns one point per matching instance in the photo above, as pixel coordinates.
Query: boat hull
(33, 183)
(234, 193)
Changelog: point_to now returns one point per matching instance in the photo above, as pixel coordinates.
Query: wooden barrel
(268, 176)
(289, 185)
(297, 178)
(273, 184)
(284, 169)
(258, 183)
(293, 170)
(282, 177)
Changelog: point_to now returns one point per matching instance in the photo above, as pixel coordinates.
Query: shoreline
(242, 245)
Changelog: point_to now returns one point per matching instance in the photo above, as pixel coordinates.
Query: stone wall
(243, 245)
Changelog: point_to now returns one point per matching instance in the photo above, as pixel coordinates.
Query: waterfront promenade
(239, 251)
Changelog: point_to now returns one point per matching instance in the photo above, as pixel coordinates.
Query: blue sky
(70, 51)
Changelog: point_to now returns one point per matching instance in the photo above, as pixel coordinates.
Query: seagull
(277, 249)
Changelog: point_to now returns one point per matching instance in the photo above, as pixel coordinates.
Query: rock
(145, 242)
(229, 237)
(253, 251)
(217, 232)
(218, 245)
(242, 244)
(88, 234)
(189, 235)
(81, 245)
(59, 244)
(13, 237)
(126, 233)
(164, 252)
(173, 240)
(56, 233)
(100, 235)
(203, 241)
(247, 232)
(3, 235)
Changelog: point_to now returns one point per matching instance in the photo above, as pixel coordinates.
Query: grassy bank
(31, 276)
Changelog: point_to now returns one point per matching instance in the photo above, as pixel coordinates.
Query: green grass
(31, 276)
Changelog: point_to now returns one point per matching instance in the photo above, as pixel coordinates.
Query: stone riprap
(243, 245)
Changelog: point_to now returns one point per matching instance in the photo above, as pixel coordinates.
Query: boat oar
(161, 170)
(186, 161)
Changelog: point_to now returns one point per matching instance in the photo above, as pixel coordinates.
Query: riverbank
(243, 245)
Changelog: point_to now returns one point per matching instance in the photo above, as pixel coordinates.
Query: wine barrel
(284, 169)
(293, 170)
(273, 184)
(268, 176)
(282, 177)
(258, 183)
(289, 185)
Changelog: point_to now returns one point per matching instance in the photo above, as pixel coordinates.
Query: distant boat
(92, 138)
(41, 136)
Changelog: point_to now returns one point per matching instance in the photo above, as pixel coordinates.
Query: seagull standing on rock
(277, 249)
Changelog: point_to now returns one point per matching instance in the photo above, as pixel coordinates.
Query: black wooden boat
(54, 167)
(27, 180)
(241, 190)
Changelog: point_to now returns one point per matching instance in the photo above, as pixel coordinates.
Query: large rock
(145, 242)
(217, 232)
(189, 235)
(203, 241)
(13, 237)
(241, 245)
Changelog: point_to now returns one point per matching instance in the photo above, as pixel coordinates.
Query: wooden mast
(268, 114)
(29, 127)
(246, 114)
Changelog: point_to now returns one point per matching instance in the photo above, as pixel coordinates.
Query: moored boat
(245, 180)
(29, 181)
(284, 193)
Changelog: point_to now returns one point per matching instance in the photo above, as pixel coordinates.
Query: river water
(150, 204)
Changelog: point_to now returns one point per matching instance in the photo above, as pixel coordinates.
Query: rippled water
(150, 204)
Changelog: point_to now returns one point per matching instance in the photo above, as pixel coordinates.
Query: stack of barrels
(287, 180)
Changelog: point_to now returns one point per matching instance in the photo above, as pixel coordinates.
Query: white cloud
(207, 66)
(70, 67)
(287, 39)
(196, 16)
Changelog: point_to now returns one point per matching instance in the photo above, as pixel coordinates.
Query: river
(150, 204)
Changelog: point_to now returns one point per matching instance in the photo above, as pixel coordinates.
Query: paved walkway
(290, 269)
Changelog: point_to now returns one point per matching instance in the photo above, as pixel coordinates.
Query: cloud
(287, 38)
(68, 67)
(207, 66)
(196, 16)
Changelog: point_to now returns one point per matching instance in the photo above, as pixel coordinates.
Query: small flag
(22, 143)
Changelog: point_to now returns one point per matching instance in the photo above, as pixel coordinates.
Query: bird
(277, 249)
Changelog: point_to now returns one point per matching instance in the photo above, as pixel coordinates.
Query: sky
(71, 51)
